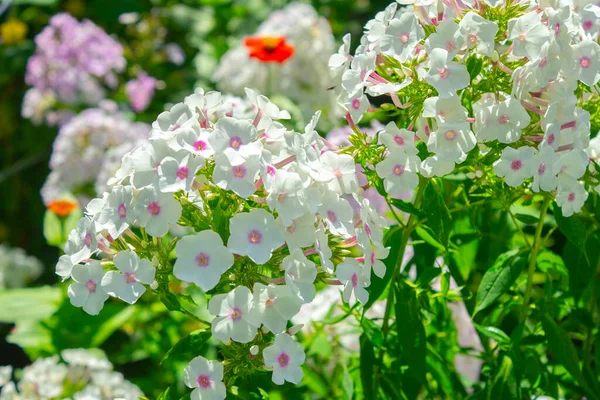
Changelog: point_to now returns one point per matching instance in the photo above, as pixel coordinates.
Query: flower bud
(495, 56)
(154, 285)
(254, 350)
(295, 329)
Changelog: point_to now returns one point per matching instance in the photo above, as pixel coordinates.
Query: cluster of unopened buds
(482, 83)
(270, 212)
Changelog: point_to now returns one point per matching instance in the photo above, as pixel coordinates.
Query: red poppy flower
(269, 48)
(62, 208)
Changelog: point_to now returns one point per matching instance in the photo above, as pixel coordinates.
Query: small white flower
(196, 141)
(156, 211)
(587, 57)
(570, 167)
(502, 121)
(232, 133)
(117, 213)
(452, 141)
(178, 173)
(357, 105)
(87, 292)
(285, 357)
(514, 165)
(81, 243)
(300, 275)
(202, 259)
(299, 233)
(372, 254)
(337, 214)
(445, 76)
(479, 33)
(402, 36)
(541, 169)
(339, 172)
(237, 319)
(398, 139)
(528, 34)
(265, 107)
(236, 173)
(276, 305)
(206, 378)
(287, 196)
(127, 285)
(399, 172)
(254, 234)
(446, 37)
(571, 200)
(445, 110)
(169, 123)
(352, 275)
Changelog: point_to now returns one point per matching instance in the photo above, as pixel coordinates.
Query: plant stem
(537, 245)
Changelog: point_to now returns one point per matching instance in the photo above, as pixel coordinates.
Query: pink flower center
(450, 46)
(283, 360)
(122, 210)
(587, 24)
(90, 285)
(271, 171)
(291, 228)
(450, 135)
(444, 72)
(523, 36)
(472, 38)
(254, 237)
(542, 169)
(557, 28)
(202, 259)
(372, 258)
(337, 172)
(551, 138)
(236, 314)
(154, 208)
(404, 37)
(130, 277)
(87, 240)
(239, 171)
(399, 140)
(235, 143)
(269, 302)
(200, 145)
(281, 197)
(332, 216)
(516, 165)
(571, 197)
(503, 119)
(203, 381)
(356, 104)
(543, 62)
(182, 173)
(398, 169)
(354, 280)
(584, 62)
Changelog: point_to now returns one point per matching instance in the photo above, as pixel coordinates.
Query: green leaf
(170, 301)
(372, 332)
(410, 330)
(552, 264)
(314, 382)
(474, 66)
(429, 237)
(111, 326)
(499, 278)
(347, 383)
(31, 304)
(53, 230)
(367, 362)
(495, 334)
(437, 213)
(527, 219)
(405, 206)
(168, 394)
(41, 3)
(572, 227)
(190, 345)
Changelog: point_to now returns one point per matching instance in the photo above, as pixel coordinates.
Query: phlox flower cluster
(514, 96)
(287, 55)
(88, 370)
(272, 212)
(88, 150)
(74, 60)
(17, 268)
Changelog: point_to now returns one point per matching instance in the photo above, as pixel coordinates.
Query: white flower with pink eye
(276, 305)
(356, 78)
(87, 291)
(445, 110)
(178, 173)
(205, 105)
(82, 243)
(206, 378)
(571, 200)
(514, 165)
(300, 232)
(542, 164)
(195, 141)
(236, 173)
(528, 34)
(501, 121)
(587, 59)
(372, 254)
(285, 356)
(479, 33)
(169, 123)
(452, 141)
(265, 107)
(254, 234)
(353, 276)
(402, 36)
(117, 213)
(446, 36)
(399, 172)
(338, 171)
(337, 214)
(129, 284)
(445, 76)
(357, 105)
(232, 133)
(287, 196)
(396, 139)
(202, 259)
(156, 211)
(570, 167)
(300, 275)
(237, 319)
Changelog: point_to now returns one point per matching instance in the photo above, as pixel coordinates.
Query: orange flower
(62, 208)
(269, 48)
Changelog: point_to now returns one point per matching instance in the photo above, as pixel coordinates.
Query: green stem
(537, 245)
